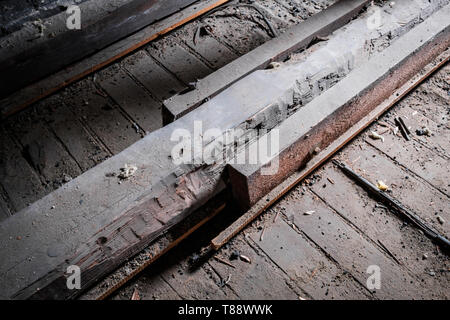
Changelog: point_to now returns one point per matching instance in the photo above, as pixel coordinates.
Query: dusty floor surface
(326, 255)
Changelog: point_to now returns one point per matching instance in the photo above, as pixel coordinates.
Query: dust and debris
(135, 295)
(274, 65)
(245, 258)
(440, 219)
(424, 131)
(375, 136)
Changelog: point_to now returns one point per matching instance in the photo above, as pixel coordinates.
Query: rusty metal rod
(394, 203)
(403, 129)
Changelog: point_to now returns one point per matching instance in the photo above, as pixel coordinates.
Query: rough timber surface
(277, 49)
(87, 124)
(359, 219)
(401, 92)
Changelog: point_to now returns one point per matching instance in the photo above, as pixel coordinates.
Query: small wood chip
(261, 237)
(375, 136)
(276, 216)
(245, 258)
(135, 295)
(382, 186)
(224, 262)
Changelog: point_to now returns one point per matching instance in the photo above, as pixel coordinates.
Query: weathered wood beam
(293, 180)
(31, 65)
(43, 88)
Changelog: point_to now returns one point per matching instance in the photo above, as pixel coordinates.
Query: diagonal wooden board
(42, 88)
(118, 220)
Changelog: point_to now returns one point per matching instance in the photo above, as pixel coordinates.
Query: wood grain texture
(80, 69)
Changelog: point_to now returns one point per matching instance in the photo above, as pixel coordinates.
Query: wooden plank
(78, 70)
(415, 157)
(152, 76)
(214, 52)
(21, 183)
(150, 287)
(44, 152)
(195, 284)
(304, 264)
(407, 244)
(102, 116)
(258, 280)
(179, 61)
(137, 103)
(298, 37)
(4, 210)
(47, 58)
(351, 250)
(439, 141)
(432, 99)
(424, 200)
(81, 144)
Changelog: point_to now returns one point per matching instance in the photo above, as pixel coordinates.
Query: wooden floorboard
(157, 80)
(41, 89)
(169, 55)
(308, 267)
(383, 227)
(132, 98)
(423, 199)
(43, 60)
(259, 279)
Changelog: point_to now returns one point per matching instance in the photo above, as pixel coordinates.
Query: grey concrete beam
(321, 121)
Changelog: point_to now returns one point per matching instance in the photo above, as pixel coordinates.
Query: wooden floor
(325, 255)
(75, 129)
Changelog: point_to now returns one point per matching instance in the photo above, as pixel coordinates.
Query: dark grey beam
(73, 45)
